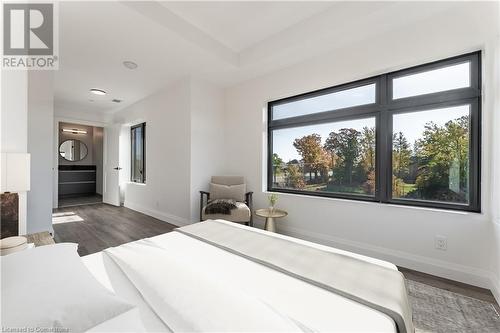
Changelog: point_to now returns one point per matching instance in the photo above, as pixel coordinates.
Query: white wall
(64, 113)
(403, 235)
(207, 139)
(14, 116)
(495, 262)
(184, 148)
(40, 142)
(166, 192)
(14, 125)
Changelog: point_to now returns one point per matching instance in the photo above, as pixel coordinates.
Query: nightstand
(270, 215)
(13, 244)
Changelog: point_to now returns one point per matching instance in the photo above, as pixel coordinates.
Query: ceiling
(239, 25)
(224, 42)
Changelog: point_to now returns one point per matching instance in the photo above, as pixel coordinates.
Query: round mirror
(73, 150)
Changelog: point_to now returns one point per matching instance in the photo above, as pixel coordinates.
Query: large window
(138, 153)
(410, 137)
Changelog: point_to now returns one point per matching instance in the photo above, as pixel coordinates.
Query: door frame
(55, 168)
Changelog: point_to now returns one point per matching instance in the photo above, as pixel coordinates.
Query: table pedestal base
(270, 225)
(270, 214)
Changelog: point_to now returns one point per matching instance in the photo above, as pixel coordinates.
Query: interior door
(111, 190)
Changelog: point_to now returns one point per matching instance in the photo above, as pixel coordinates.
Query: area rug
(440, 311)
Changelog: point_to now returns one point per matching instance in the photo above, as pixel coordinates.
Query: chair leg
(201, 206)
(250, 205)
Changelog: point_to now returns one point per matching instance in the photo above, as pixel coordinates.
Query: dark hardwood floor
(71, 201)
(97, 227)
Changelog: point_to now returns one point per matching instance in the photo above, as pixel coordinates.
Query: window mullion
(383, 144)
(475, 156)
(143, 164)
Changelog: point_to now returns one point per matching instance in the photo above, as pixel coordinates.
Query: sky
(338, 100)
(411, 124)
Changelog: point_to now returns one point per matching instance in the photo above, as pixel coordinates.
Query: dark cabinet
(77, 179)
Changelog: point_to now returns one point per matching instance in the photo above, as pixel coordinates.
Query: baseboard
(495, 287)
(169, 218)
(495, 279)
(452, 271)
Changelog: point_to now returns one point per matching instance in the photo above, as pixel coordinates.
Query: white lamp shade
(15, 170)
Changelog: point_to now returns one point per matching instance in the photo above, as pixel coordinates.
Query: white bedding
(50, 289)
(111, 277)
(129, 321)
(307, 306)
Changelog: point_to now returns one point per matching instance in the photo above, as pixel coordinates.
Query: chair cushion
(228, 180)
(240, 214)
(235, 192)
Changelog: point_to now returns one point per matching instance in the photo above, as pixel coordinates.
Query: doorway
(80, 164)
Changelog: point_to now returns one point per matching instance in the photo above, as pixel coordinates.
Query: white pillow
(49, 287)
(235, 192)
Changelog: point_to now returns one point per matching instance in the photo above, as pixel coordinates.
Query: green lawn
(315, 187)
(358, 189)
(407, 188)
(345, 189)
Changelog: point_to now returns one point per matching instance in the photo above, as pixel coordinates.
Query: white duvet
(193, 286)
(189, 299)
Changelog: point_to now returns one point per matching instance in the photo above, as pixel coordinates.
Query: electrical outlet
(441, 243)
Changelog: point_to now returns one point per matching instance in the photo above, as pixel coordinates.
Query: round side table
(270, 215)
(13, 244)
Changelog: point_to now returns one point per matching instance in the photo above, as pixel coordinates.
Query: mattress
(312, 307)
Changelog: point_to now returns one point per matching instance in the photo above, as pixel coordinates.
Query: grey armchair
(228, 187)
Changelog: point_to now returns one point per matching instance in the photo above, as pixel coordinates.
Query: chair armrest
(202, 194)
(248, 199)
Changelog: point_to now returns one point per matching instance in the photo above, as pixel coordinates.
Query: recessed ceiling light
(98, 92)
(130, 64)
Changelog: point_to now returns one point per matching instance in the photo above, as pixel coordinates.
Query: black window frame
(132, 153)
(383, 110)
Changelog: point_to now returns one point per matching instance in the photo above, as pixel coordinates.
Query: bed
(213, 276)
(308, 307)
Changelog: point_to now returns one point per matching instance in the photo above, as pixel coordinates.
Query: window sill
(135, 183)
